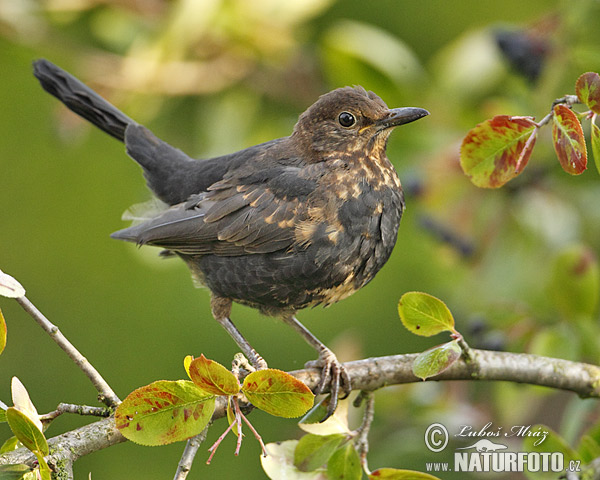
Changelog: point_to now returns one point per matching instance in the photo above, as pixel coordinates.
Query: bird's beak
(401, 116)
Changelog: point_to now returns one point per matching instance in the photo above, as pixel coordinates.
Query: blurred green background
(214, 76)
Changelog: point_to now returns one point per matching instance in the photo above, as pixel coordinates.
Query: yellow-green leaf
(278, 393)
(394, 474)
(2, 332)
(313, 451)
(595, 140)
(424, 315)
(10, 444)
(186, 364)
(26, 431)
(212, 377)
(164, 412)
(435, 360)
(492, 150)
(569, 143)
(43, 468)
(587, 88)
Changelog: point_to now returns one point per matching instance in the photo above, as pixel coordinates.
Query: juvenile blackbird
(292, 223)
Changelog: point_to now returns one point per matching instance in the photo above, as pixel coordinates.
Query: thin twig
(105, 393)
(189, 453)
(362, 433)
(77, 410)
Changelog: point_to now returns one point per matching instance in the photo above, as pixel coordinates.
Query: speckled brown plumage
(295, 222)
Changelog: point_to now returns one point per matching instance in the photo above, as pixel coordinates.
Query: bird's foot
(334, 374)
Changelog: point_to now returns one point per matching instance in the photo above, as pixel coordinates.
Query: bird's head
(350, 120)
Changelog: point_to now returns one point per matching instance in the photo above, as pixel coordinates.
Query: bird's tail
(81, 99)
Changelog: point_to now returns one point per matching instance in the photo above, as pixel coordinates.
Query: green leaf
(394, 474)
(14, 472)
(552, 443)
(2, 415)
(569, 143)
(588, 448)
(278, 393)
(164, 412)
(575, 281)
(10, 444)
(26, 431)
(212, 377)
(491, 151)
(279, 463)
(435, 360)
(313, 451)
(424, 315)
(2, 332)
(587, 88)
(344, 464)
(595, 140)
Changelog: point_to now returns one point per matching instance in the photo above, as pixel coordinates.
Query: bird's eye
(346, 119)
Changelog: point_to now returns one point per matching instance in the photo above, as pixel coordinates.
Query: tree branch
(367, 374)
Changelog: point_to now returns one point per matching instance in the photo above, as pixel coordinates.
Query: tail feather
(81, 99)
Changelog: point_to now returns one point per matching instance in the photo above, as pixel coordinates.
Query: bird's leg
(221, 309)
(333, 372)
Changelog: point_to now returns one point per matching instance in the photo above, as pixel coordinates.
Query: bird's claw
(334, 374)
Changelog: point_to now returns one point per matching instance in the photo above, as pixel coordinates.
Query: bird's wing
(237, 216)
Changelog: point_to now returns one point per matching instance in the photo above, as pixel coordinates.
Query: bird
(295, 222)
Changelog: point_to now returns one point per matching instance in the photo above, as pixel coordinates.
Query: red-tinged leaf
(435, 360)
(164, 412)
(394, 474)
(313, 451)
(278, 393)
(568, 139)
(2, 332)
(587, 88)
(595, 134)
(424, 314)
(212, 377)
(492, 151)
(26, 431)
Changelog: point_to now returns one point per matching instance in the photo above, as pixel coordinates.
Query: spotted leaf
(212, 377)
(278, 393)
(424, 315)
(587, 88)
(164, 412)
(568, 139)
(497, 150)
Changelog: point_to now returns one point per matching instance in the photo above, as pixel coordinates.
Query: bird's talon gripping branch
(334, 375)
